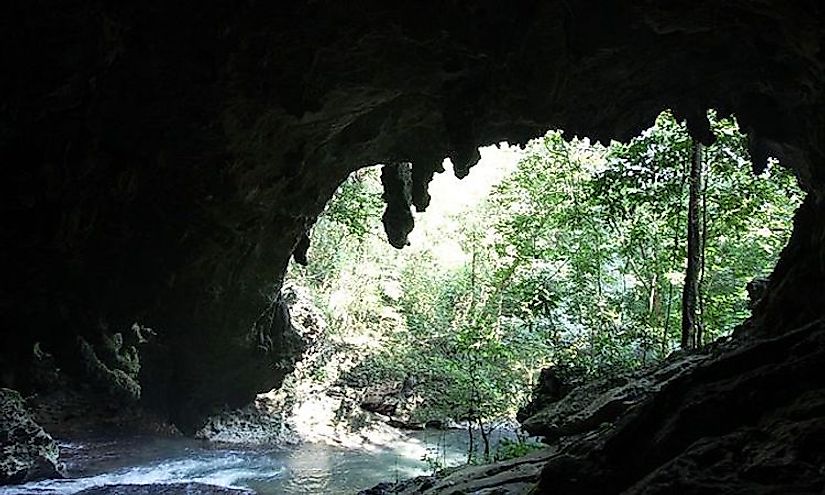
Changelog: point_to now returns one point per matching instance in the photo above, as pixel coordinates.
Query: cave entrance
(563, 252)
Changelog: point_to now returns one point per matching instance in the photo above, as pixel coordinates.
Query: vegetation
(577, 258)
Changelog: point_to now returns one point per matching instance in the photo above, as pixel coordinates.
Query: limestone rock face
(26, 451)
(589, 406)
(161, 162)
(740, 418)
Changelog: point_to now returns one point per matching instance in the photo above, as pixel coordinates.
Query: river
(308, 468)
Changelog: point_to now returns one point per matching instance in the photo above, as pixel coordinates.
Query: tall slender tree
(690, 293)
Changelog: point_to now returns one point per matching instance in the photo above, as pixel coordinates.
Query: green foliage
(357, 204)
(576, 258)
(610, 223)
(435, 459)
(512, 449)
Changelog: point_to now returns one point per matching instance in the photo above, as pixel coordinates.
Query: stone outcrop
(26, 451)
(590, 405)
(263, 422)
(163, 162)
(553, 385)
(118, 374)
(744, 420)
(270, 418)
(513, 477)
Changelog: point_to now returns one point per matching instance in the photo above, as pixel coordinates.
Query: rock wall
(162, 160)
(747, 418)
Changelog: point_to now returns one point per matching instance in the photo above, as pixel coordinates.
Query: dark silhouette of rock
(743, 420)
(553, 385)
(756, 289)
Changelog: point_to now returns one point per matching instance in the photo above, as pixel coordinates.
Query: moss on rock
(26, 451)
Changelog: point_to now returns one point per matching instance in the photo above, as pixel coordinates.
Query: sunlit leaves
(612, 220)
(577, 257)
(357, 203)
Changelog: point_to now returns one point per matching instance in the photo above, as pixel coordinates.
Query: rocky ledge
(26, 451)
(750, 419)
(515, 476)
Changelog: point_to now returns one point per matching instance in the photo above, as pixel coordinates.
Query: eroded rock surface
(746, 418)
(513, 477)
(26, 451)
(590, 405)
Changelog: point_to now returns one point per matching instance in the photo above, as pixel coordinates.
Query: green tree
(576, 258)
(612, 221)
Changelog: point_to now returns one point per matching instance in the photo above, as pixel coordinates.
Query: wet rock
(261, 422)
(26, 451)
(748, 419)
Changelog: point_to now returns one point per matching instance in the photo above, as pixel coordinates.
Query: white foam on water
(70, 445)
(222, 469)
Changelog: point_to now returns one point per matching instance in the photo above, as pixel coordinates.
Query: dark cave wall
(162, 159)
(794, 296)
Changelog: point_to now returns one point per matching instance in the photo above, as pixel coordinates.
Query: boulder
(553, 385)
(26, 451)
(511, 477)
(588, 406)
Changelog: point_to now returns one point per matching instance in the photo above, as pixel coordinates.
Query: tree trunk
(690, 292)
(471, 446)
(677, 236)
(485, 436)
(703, 240)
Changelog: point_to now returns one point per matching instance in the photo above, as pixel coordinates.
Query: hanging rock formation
(163, 160)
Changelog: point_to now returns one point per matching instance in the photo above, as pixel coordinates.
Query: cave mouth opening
(564, 252)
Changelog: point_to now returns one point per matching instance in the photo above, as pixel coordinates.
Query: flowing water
(303, 469)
